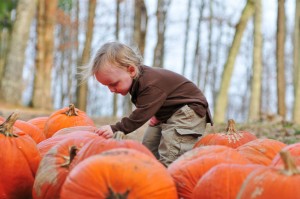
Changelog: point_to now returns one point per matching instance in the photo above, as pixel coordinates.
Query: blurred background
(243, 54)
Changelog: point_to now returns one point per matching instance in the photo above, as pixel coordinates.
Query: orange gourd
(187, 175)
(293, 149)
(119, 173)
(270, 182)
(231, 137)
(19, 159)
(223, 181)
(66, 117)
(39, 122)
(261, 151)
(100, 145)
(54, 167)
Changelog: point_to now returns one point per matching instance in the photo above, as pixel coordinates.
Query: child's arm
(105, 131)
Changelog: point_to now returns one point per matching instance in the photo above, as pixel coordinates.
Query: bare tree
(222, 98)
(255, 105)
(12, 80)
(82, 89)
(161, 15)
(46, 19)
(280, 41)
(186, 35)
(296, 113)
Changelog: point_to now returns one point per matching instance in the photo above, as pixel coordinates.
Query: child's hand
(105, 131)
(153, 121)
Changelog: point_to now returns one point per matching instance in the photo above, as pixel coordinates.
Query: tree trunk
(186, 36)
(82, 89)
(222, 99)
(296, 112)
(161, 14)
(255, 100)
(12, 81)
(280, 59)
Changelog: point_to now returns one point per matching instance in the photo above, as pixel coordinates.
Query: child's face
(117, 79)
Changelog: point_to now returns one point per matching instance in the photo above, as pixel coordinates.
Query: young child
(178, 111)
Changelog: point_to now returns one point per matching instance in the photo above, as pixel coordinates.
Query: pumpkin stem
(232, 134)
(6, 128)
(113, 195)
(231, 126)
(290, 167)
(72, 153)
(72, 111)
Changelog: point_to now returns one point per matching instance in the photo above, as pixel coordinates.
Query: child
(177, 109)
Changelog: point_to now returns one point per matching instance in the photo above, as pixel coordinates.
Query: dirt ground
(274, 129)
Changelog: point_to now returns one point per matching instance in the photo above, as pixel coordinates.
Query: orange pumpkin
(270, 182)
(229, 178)
(187, 175)
(99, 145)
(19, 159)
(294, 150)
(261, 151)
(54, 167)
(65, 131)
(39, 122)
(119, 173)
(231, 137)
(47, 144)
(66, 117)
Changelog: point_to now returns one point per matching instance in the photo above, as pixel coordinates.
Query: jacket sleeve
(148, 103)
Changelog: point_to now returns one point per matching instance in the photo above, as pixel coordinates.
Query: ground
(275, 129)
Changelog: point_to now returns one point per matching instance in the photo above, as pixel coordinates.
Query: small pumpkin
(293, 149)
(66, 117)
(231, 137)
(39, 122)
(65, 131)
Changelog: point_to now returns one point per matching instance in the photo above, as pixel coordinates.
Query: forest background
(244, 55)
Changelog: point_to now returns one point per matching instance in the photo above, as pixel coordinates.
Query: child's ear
(131, 70)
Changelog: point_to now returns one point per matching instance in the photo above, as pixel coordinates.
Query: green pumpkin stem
(290, 167)
(72, 111)
(6, 128)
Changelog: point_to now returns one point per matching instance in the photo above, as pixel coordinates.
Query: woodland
(244, 55)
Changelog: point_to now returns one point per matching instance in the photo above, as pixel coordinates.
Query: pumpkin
(65, 131)
(187, 175)
(261, 151)
(99, 145)
(66, 117)
(196, 153)
(222, 181)
(231, 137)
(54, 167)
(47, 144)
(39, 122)
(271, 182)
(294, 150)
(19, 160)
(34, 132)
(119, 173)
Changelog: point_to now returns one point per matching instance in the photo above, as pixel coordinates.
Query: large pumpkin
(72, 129)
(99, 145)
(47, 144)
(66, 117)
(19, 159)
(119, 173)
(261, 151)
(223, 181)
(187, 175)
(231, 137)
(270, 182)
(54, 167)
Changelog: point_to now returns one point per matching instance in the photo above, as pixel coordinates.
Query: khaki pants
(167, 141)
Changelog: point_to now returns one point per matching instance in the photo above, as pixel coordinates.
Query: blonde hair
(114, 53)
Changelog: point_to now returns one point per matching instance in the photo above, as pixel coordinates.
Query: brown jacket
(161, 92)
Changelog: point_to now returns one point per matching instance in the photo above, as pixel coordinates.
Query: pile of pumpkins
(61, 156)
